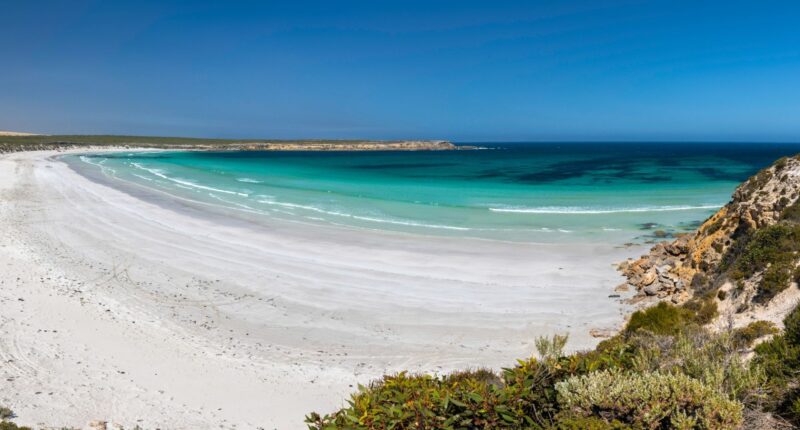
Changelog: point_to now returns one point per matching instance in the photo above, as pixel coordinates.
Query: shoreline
(10, 144)
(287, 317)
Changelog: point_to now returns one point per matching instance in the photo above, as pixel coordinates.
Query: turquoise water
(543, 192)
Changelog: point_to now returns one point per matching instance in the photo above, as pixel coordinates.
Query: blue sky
(459, 70)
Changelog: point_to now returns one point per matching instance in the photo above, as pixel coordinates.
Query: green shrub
(792, 212)
(756, 182)
(662, 318)
(687, 378)
(780, 164)
(780, 359)
(791, 326)
(772, 250)
(8, 425)
(525, 399)
(745, 336)
(587, 423)
(715, 226)
(704, 309)
(710, 358)
(649, 400)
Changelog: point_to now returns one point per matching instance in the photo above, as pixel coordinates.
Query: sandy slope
(153, 312)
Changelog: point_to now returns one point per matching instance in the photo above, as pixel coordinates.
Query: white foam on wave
(559, 210)
(409, 223)
(143, 177)
(360, 217)
(100, 164)
(160, 174)
(249, 181)
(239, 206)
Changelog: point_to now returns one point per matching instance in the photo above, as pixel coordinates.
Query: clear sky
(459, 70)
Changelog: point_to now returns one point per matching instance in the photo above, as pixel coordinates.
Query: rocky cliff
(746, 252)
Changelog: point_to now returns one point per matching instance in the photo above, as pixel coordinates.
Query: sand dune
(15, 133)
(138, 309)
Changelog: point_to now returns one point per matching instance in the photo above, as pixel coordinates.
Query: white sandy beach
(136, 312)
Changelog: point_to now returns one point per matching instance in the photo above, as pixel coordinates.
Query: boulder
(652, 290)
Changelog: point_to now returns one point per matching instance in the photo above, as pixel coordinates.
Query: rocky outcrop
(674, 270)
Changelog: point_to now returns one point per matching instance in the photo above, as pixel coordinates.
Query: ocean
(531, 192)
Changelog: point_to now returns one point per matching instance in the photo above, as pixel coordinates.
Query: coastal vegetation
(668, 368)
(772, 252)
(663, 371)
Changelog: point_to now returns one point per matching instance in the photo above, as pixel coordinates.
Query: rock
(622, 287)
(652, 290)
(661, 234)
(670, 266)
(674, 249)
(648, 278)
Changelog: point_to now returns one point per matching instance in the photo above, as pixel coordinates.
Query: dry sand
(15, 133)
(140, 311)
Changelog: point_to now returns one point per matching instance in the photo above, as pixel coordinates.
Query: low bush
(780, 359)
(756, 182)
(745, 336)
(699, 354)
(792, 212)
(588, 423)
(663, 319)
(772, 251)
(704, 309)
(649, 400)
(526, 396)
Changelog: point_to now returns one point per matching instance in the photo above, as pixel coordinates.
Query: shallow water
(536, 192)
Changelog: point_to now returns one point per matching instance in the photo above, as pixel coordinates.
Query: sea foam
(596, 211)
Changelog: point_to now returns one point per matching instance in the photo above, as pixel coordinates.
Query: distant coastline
(13, 142)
